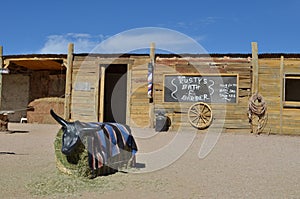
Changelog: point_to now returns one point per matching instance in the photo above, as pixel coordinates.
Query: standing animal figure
(108, 144)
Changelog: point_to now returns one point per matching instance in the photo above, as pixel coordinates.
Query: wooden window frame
(290, 104)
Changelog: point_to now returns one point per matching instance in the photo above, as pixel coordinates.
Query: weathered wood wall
(85, 101)
(86, 90)
(139, 101)
(232, 117)
(271, 88)
(291, 116)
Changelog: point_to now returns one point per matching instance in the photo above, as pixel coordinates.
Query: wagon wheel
(200, 115)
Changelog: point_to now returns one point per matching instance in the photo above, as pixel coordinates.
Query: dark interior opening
(115, 93)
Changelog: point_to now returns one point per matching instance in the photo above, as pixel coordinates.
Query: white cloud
(124, 42)
(140, 38)
(83, 43)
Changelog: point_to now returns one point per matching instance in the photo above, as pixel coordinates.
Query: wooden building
(25, 78)
(134, 88)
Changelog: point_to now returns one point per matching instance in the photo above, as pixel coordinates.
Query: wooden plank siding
(85, 105)
(139, 101)
(85, 102)
(86, 69)
(228, 116)
(269, 80)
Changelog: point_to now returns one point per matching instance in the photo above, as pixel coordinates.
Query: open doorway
(115, 94)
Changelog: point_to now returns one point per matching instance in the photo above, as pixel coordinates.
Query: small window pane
(292, 90)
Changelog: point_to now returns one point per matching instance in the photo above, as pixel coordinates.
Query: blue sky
(35, 26)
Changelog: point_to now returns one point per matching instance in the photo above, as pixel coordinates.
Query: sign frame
(236, 75)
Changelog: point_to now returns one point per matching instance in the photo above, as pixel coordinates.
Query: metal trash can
(162, 122)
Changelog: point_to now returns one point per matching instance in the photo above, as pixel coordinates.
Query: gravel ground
(239, 166)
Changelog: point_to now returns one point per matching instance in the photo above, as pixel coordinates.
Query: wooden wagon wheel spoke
(196, 118)
(201, 107)
(196, 112)
(198, 121)
(205, 118)
(207, 111)
(200, 115)
(207, 114)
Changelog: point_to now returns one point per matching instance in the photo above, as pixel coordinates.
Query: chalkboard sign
(217, 88)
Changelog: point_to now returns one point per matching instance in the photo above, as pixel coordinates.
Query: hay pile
(42, 108)
(75, 164)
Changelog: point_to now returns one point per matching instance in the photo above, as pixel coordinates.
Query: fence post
(68, 88)
(255, 85)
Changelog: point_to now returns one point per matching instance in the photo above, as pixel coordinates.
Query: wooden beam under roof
(36, 63)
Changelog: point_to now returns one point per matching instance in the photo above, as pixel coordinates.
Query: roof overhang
(36, 62)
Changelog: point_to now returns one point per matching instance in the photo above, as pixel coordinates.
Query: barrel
(162, 122)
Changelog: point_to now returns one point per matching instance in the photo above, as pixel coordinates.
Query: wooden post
(1, 56)
(1, 67)
(68, 90)
(281, 90)
(255, 85)
(128, 96)
(3, 117)
(102, 92)
(151, 101)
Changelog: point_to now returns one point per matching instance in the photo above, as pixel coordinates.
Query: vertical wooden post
(102, 92)
(255, 85)
(1, 56)
(68, 90)
(151, 101)
(281, 90)
(128, 96)
(1, 66)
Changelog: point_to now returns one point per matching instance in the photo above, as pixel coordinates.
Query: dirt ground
(239, 166)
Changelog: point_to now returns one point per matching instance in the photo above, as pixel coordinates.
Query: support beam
(128, 96)
(255, 85)
(1, 56)
(101, 92)
(281, 90)
(152, 51)
(67, 111)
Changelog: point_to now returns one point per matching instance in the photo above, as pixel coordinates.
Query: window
(291, 90)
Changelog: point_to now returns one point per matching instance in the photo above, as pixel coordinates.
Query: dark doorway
(115, 96)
